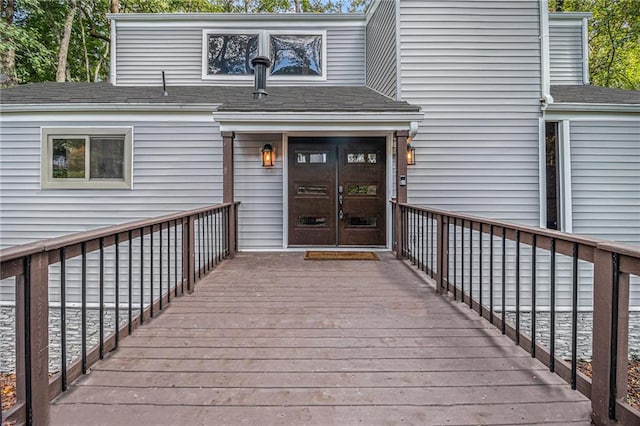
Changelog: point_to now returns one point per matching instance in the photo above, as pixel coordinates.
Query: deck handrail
(208, 235)
(427, 237)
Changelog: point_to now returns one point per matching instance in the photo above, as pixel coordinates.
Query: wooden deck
(274, 339)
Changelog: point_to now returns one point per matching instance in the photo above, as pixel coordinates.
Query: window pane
(67, 158)
(551, 148)
(358, 189)
(296, 55)
(363, 222)
(311, 189)
(107, 157)
(318, 158)
(317, 221)
(362, 158)
(231, 54)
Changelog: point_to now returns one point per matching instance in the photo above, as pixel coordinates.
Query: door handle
(340, 199)
(341, 214)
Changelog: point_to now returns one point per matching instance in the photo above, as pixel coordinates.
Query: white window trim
(264, 49)
(48, 182)
(565, 215)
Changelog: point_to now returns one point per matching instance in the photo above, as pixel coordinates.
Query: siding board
(565, 52)
(381, 66)
(474, 68)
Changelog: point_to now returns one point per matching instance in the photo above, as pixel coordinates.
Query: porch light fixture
(267, 155)
(411, 155)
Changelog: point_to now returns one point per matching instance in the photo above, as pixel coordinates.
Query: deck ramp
(269, 338)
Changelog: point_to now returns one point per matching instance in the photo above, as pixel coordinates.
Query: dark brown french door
(337, 191)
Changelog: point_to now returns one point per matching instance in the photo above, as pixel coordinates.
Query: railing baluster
(433, 246)
(117, 290)
(574, 319)
(130, 290)
(169, 262)
(200, 233)
(613, 354)
(517, 287)
(504, 280)
(142, 276)
(455, 258)
(101, 302)
(471, 265)
(151, 298)
(462, 232)
(28, 358)
(552, 308)
(480, 277)
(63, 319)
(215, 226)
(83, 302)
(491, 274)
(423, 241)
(533, 295)
(161, 263)
(175, 257)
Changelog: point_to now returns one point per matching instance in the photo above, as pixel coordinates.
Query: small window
(296, 55)
(552, 175)
(231, 54)
(86, 158)
(362, 158)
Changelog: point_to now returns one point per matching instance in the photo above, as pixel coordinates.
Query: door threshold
(339, 248)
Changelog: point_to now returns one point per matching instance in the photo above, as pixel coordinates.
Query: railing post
(188, 252)
(32, 331)
(610, 336)
(442, 258)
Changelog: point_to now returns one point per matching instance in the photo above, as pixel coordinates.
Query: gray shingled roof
(231, 98)
(594, 95)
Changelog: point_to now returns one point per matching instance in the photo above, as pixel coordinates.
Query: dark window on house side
(231, 54)
(296, 55)
(552, 175)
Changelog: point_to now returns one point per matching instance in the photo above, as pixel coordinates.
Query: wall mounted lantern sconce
(411, 155)
(268, 155)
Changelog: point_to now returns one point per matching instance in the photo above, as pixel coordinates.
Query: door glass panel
(301, 158)
(311, 189)
(317, 221)
(320, 157)
(357, 189)
(362, 158)
(363, 221)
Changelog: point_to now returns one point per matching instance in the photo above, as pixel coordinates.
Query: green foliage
(614, 34)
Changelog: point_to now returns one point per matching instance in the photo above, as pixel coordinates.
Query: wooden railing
(175, 250)
(499, 257)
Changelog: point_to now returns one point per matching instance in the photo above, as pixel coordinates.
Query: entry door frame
(285, 178)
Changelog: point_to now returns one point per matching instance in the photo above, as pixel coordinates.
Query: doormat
(340, 255)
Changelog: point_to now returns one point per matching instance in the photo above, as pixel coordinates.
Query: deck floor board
(269, 338)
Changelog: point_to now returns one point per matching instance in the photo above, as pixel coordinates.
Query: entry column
(401, 186)
(227, 187)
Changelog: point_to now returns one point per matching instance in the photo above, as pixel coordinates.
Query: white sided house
(493, 95)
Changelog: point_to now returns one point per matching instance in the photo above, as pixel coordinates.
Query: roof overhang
(88, 107)
(561, 111)
(258, 122)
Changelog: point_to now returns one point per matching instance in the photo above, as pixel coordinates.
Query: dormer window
(231, 54)
(295, 55)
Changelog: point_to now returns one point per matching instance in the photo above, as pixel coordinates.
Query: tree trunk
(8, 60)
(115, 6)
(61, 73)
(298, 8)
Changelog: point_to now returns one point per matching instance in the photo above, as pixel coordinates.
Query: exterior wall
(145, 49)
(605, 179)
(259, 190)
(177, 165)
(474, 68)
(566, 51)
(381, 49)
